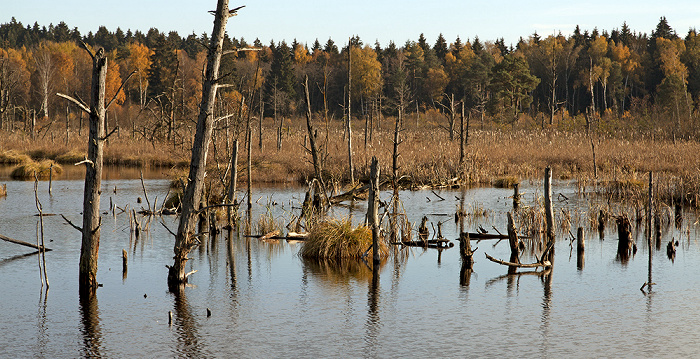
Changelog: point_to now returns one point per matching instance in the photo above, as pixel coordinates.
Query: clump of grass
(505, 182)
(3, 191)
(13, 157)
(71, 157)
(26, 171)
(266, 223)
(334, 239)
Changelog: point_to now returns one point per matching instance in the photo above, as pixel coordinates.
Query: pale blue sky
(397, 20)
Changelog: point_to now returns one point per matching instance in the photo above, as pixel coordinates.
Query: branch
(235, 51)
(76, 102)
(109, 134)
(71, 223)
(215, 206)
(224, 117)
(543, 264)
(85, 161)
(166, 227)
(120, 88)
(85, 46)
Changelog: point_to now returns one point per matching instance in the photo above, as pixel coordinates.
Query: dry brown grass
(427, 156)
(27, 170)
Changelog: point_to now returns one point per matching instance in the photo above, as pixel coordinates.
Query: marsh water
(265, 301)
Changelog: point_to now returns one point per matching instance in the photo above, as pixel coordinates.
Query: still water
(265, 301)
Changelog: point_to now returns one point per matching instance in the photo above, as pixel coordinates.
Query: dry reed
(337, 239)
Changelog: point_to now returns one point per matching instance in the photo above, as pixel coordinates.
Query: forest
(618, 80)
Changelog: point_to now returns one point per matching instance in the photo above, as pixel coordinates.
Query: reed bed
(338, 239)
(493, 156)
(27, 170)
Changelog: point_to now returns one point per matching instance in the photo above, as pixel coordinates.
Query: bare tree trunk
(232, 182)
(549, 212)
(373, 209)
(90, 230)
(312, 137)
(349, 128)
(200, 148)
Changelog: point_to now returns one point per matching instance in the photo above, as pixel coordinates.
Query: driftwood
(23, 243)
(544, 264)
(291, 236)
(432, 243)
(354, 193)
(482, 236)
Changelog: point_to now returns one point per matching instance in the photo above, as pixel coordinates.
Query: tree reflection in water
(90, 318)
(188, 344)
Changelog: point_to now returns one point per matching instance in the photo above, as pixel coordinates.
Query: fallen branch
(23, 243)
(544, 264)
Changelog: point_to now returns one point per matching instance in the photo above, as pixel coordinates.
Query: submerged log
(432, 243)
(23, 243)
(544, 263)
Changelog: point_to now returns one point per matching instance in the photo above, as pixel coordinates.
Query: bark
(93, 175)
(349, 128)
(193, 190)
(373, 209)
(549, 211)
(312, 137)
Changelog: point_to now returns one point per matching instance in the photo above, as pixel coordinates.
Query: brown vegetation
(427, 156)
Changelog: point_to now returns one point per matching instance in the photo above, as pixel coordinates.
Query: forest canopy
(646, 82)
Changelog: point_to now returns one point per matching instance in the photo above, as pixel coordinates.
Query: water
(267, 302)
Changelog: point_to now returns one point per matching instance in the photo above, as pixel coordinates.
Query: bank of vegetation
(600, 107)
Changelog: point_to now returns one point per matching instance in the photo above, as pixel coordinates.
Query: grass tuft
(337, 240)
(26, 171)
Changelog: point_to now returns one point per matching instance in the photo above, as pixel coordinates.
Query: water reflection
(188, 343)
(546, 278)
(339, 271)
(373, 324)
(231, 262)
(90, 318)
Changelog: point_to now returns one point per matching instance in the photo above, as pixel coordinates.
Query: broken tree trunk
(93, 168)
(625, 246)
(549, 211)
(312, 137)
(348, 123)
(184, 240)
(513, 240)
(373, 209)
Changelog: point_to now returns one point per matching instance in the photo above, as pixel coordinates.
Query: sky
(378, 20)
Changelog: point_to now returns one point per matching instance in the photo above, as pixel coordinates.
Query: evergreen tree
(162, 73)
(440, 48)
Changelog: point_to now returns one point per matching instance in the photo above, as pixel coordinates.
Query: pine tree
(440, 48)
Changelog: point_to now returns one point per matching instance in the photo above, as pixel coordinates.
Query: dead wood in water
(544, 264)
(23, 243)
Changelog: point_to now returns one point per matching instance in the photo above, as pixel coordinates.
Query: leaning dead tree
(185, 238)
(90, 230)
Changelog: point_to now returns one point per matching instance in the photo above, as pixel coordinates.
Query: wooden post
(50, 178)
(373, 209)
(230, 198)
(516, 196)
(200, 148)
(125, 263)
(549, 212)
(580, 241)
(649, 214)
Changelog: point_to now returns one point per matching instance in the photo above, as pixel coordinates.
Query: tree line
(648, 82)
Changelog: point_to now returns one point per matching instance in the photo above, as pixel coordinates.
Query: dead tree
(185, 238)
(90, 246)
(348, 124)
